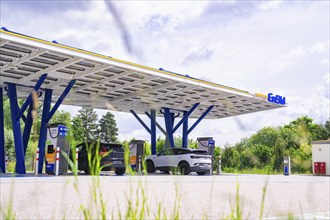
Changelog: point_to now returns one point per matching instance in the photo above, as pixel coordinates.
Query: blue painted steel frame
(157, 125)
(185, 117)
(185, 132)
(27, 128)
(2, 135)
(47, 114)
(153, 132)
(16, 115)
(60, 99)
(29, 98)
(43, 127)
(140, 120)
(200, 119)
(20, 162)
(169, 121)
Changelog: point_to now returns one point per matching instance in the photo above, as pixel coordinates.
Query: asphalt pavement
(189, 197)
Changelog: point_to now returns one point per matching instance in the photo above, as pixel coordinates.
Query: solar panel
(105, 82)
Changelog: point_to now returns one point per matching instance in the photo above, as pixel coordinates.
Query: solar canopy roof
(104, 82)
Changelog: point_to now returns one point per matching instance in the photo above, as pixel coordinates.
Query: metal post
(76, 162)
(169, 119)
(6, 160)
(20, 163)
(37, 162)
(2, 135)
(185, 132)
(139, 164)
(219, 165)
(153, 132)
(57, 162)
(43, 127)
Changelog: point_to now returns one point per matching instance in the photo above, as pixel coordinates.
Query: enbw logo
(276, 99)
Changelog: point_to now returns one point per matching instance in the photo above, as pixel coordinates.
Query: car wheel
(201, 173)
(184, 168)
(120, 171)
(86, 170)
(150, 166)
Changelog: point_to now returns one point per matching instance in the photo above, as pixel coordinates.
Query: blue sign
(62, 128)
(276, 99)
(211, 142)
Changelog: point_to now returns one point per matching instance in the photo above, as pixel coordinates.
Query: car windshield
(200, 152)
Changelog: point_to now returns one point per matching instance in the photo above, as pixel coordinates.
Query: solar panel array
(107, 83)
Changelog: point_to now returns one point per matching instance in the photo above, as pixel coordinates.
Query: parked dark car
(113, 160)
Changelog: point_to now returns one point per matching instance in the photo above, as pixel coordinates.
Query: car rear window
(111, 147)
(200, 152)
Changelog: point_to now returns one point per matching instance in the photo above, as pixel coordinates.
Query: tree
(108, 126)
(85, 126)
(61, 117)
(327, 127)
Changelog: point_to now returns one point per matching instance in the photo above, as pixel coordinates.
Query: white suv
(181, 159)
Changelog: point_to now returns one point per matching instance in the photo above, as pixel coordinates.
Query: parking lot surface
(191, 197)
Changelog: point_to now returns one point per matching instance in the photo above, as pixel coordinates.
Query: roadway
(199, 197)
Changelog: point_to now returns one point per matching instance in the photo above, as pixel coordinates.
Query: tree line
(267, 147)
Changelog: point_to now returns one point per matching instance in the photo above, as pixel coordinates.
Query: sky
(279, 47)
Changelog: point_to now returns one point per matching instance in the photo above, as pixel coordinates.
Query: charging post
(56, 146)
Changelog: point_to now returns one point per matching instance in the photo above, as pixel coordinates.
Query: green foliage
(108, 128)
(61, 117)
(264, 150)
(160, 144)
(85, 126)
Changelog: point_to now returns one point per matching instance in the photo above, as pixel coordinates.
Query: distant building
(321, 157)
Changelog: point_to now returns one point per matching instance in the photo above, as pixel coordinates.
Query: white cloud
(270, 5)
(325, 61)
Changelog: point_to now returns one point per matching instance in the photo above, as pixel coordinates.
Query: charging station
(136, 148)
(207, 144)
(287, 165)
(57, 138)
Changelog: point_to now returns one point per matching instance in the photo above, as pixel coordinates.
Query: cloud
(270, 5)
(294, 56)
(226, 11)
(196, 56)
(45, 7)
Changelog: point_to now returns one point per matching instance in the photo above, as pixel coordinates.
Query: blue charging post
(211, 145)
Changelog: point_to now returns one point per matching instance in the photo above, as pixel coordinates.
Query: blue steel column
(12, 93)
(2, 135)
(153, 132)
(185, 132)
(27, 127)
(43, 127)
(169, 119)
